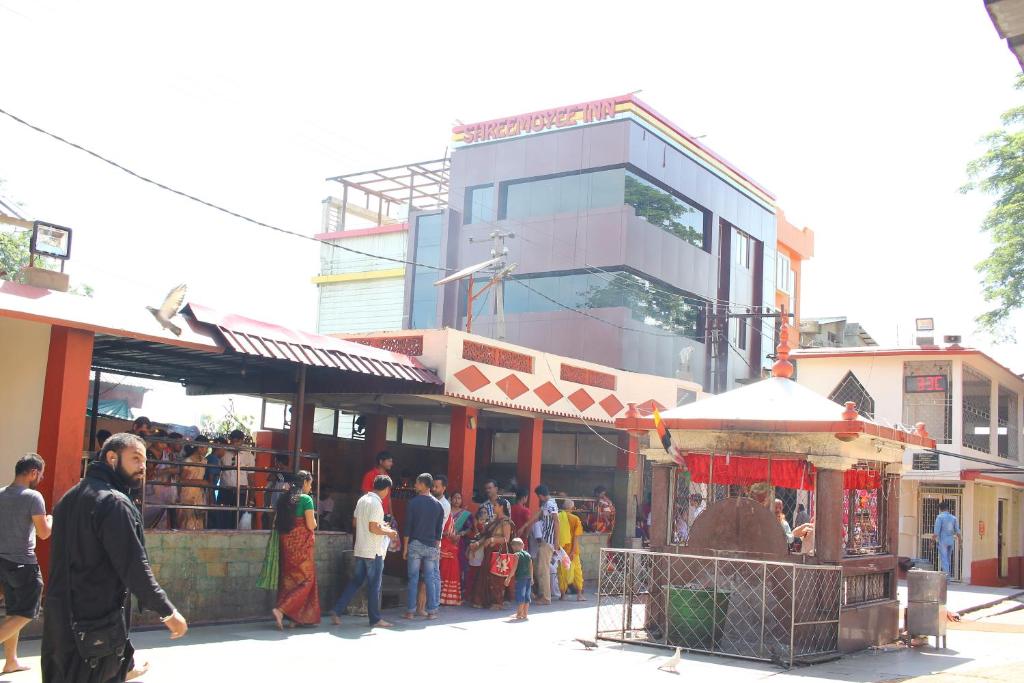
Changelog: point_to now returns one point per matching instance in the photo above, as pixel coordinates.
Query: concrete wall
(211, 575)
(590, 554)
(24, 347)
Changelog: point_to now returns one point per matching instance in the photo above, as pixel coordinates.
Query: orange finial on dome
(783, 367)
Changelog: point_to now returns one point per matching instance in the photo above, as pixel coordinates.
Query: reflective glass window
(423, 313)
(480, 204)
(652, 304)
(563, 194)
(665, 210)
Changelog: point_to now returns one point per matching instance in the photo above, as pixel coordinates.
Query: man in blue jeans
(424, 521)
(947, 531)
(372, 539)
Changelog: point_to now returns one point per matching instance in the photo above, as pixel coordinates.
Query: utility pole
(718, 337)
(498, 270)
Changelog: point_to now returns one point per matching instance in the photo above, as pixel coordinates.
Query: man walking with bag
(98, 557)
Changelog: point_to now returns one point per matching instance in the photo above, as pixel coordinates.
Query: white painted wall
(334, 261)
(361, 306)
(23, 351)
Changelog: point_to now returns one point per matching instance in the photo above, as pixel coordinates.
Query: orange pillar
(462, 452)
(62, 421)
(531, 439)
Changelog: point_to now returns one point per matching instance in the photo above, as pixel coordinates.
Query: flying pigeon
(672, 663)
(587, 644)
(169, 308)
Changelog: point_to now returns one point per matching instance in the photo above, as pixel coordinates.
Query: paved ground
(470, 642)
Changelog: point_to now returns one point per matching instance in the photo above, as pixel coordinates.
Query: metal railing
(170, 477)
(772, 611)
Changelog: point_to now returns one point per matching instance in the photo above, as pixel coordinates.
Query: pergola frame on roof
(421, 185)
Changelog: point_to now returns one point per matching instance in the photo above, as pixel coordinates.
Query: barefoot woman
(297, 595)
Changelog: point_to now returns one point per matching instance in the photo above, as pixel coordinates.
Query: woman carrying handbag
(489, 587)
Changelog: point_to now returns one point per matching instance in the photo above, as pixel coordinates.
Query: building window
(741, 334)
(480, 204)
(850, 389)
(568, 193)
(744, 249)
(784, 275)
(423, 308)
(933, 407)
(649, 303)
(1009, 431)
(663, 209)
(977, 410)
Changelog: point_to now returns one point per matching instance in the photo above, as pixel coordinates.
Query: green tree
(13, 253)
(231, 420)
(1000, 172)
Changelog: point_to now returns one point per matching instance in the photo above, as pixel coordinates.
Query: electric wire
(210, 204)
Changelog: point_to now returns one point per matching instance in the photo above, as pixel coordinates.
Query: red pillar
(62, 421)
(531, 439)
(462, 452)
(629, 446)
(375, 442)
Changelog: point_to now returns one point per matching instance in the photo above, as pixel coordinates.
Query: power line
(209, 204)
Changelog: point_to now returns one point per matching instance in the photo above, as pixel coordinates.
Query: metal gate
(930, 497)
(772, 611)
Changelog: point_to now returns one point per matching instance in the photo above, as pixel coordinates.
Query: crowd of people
(499, 554)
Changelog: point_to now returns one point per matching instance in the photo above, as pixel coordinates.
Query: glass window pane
(323, 421)
(480, 204)
(662, 209)
(440, 433)
(506, 447)
(415, 432)
(345, 425)
(428, 252)
(559, 449)
(274, 415)
(392, 430)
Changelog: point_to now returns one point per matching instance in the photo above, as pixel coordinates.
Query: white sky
(860, 117)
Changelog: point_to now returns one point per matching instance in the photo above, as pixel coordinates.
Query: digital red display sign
(925, 384)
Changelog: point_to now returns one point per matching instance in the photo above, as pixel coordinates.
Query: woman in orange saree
(297, 596)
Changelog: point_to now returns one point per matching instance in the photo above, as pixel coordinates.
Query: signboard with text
(537, 122)
(927, 461)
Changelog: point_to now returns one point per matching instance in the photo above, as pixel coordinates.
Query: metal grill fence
(771, 611)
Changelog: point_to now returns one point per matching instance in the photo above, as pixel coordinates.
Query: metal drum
(926, 611)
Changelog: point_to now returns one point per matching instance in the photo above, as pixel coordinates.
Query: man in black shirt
(424, 522)
(98, 556)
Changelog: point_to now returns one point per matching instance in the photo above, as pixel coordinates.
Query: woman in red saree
(489, 589)
(297, 596)
(458, 525)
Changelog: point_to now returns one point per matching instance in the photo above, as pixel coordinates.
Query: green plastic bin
(694, 614)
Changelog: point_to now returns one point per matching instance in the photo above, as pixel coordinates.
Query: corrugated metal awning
(257, 338)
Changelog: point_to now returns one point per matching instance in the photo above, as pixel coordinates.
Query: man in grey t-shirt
(23, 518)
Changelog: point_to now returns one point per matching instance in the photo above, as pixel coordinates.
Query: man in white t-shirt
(237, 482)
(372, 539)
(438, 489)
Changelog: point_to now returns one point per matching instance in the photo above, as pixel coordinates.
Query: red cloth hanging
(862, 479)
(744, 471)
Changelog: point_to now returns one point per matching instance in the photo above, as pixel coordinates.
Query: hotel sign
(538, 121)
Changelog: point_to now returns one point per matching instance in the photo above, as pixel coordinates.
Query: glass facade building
(627, 239)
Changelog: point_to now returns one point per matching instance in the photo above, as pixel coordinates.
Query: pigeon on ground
(671, 664)
(169, 308)
(587, 644)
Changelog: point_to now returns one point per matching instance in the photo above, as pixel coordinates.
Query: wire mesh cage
(771, 611)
